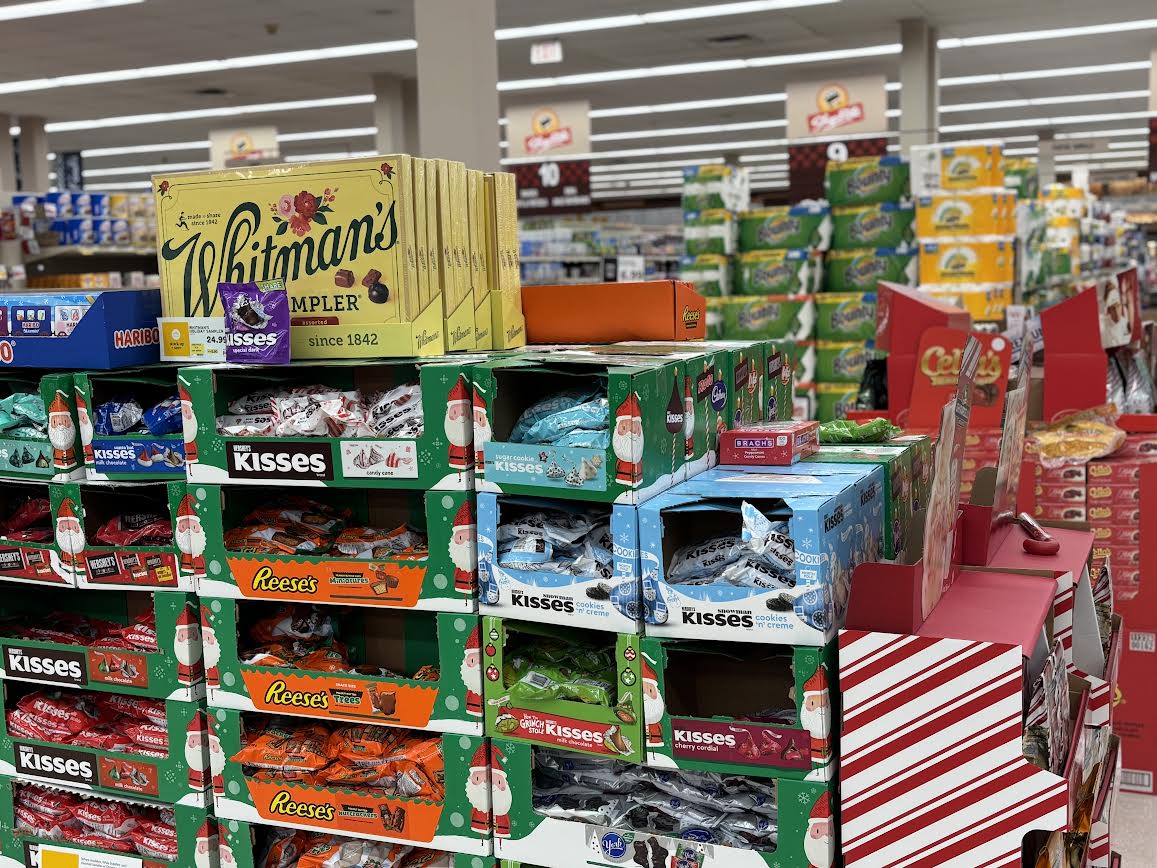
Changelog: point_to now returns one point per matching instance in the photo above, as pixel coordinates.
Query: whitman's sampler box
(341, 234)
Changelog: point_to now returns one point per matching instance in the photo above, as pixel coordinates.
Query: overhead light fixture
(201, 67)
(1125, 146)
(58, 7)
(763, 158)
(1039, 35)
(698, 67)
(634, 176)
(1029, 74)
(145, 170)
(1043, 122)
(122, 185)
(713, 147)
(223, 112)
(1129, 164)
(688, 131)
(1101, 155)
(666, 16)
(91, 153)
(1085, 134)
(689, 161)
(635, 194)
(14, 131)
(1044, 100)
(685, 105)
(333, 155)
(313, 135)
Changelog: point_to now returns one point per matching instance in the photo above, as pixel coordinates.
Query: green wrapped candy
(846, 431)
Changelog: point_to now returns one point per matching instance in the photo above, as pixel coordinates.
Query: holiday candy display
(38, 427)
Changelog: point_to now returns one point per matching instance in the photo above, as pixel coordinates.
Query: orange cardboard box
(601, 313)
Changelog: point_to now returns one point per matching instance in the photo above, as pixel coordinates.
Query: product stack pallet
(104, 746)
(966, 227)
(873, 228)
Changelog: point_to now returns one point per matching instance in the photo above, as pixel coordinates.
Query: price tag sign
(632, 269)
(553, 185)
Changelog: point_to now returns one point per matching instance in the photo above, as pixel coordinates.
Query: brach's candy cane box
(971, 214)
(126, 535)
(157, 836)
(967, 260)
(883, 224)
(131, 424)
(413, 669)
(769, 443)
(734, 709)
(784, 317)
(835, 519)
(528, 418)
(802, 817)
(28, 551)
(516, 542)
(386, 424)
(938, 168)
(38, 427)
(861, 270)
(399, 549)
(455, 818)
(578, 690)
(846, 316)
(176, 768)
(245, 845)
(778, 272)
(866, 180)
(807, 226)
(148, 644)
(341, 234)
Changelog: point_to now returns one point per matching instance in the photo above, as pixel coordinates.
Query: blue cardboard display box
(80, 330)
(601, 602)
(835, 516)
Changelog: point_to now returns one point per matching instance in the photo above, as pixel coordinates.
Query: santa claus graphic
(196, 743)
(86, 431)
(653, 705)
(190, 538)
(472, 673)
(61, 433)
(211, 649)
(688, 420)
(816, 715)
(500, 796)
(459, 430)
(819, 840)
(188, 423)
(69, 532)
(206, 845)
(225, 857)
(463, 550)
(482, 430)
(628, 442)
(216, 760)
(478, 790)
(187, 646)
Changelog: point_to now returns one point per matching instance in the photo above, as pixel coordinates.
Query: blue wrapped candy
(813, 607)
(625, 599)
(165, 418)
(552, 419)
(118, 416)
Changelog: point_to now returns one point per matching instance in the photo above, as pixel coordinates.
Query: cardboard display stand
(35, 562)
(361, 813)
(406, 642)
(57, 455)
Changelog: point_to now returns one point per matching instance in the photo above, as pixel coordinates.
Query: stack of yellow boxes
(965, 226)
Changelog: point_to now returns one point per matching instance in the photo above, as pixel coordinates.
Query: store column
(919, 84)
(458, 81)
(7, 154)
(1046, 159)
(396, 115)
(33, 155)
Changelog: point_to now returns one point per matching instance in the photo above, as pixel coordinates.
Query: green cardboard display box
(698, 698)
(181, 775)
(613, 731)
(175, 671)
(81, 510)
(56, 456)
(30, 561)
(442, 577)
(446, 699)
(459, 822)
(440, 458)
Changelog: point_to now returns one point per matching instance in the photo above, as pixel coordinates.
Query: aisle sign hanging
(846, 106)
(245, 146)
(550, 133)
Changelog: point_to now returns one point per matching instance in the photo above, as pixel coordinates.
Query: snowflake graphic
(804, 798)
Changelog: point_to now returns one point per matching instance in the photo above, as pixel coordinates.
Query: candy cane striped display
(931, 767)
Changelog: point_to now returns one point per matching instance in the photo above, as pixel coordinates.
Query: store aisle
(1135, 829)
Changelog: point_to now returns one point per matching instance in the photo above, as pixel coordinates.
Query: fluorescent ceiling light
(334, 155)
(121, 185)
(144, 149)
(690, 161)
(763, 158)
(1102, 155)
(145, 170)
(688, 131)
(1038, 35)
(1084, 134)
(348, 133)
(614, 22)
(635, 176)
(892, 86)
(200, 67)
(1029, 74)
(1129, 164)
(1044, 100)
(697, 67)
(634, 194)
(223, 112)
(1043, 122)
(58, 7)
(891, 113)
(1113, 146)
(686, 105)
(656, 152)
(1020, 152)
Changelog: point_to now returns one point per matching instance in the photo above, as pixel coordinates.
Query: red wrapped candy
(136, 529)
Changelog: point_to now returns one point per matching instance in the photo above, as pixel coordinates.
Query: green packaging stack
(712, 197)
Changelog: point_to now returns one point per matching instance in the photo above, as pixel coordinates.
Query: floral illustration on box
(300, 212)
(163, 189)
(387, 171)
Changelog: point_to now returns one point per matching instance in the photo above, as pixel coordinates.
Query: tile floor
(1134, 830)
